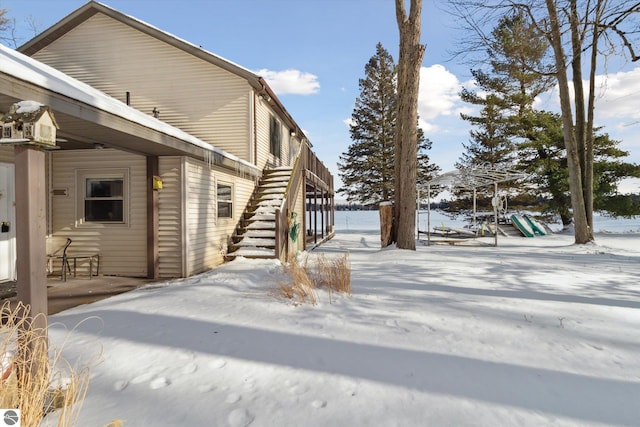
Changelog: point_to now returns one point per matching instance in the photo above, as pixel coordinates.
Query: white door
(7, 223)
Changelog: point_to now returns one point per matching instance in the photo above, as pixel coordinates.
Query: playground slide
(535, 225)
(523, 225)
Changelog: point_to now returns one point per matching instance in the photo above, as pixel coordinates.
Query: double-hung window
(225, 200)
(103, 196)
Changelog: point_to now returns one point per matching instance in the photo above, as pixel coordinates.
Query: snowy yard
(534, 332)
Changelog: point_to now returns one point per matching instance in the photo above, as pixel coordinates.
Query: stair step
(277, 191)
(270, 202)
(253, 252)
(258, 233)
(276, 184)
(256, 242)
(262, 225)
(262, 217)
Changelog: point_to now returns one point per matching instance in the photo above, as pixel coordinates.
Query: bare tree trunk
(584, 132)
(582, 232)
(406, 138)
(588, 173)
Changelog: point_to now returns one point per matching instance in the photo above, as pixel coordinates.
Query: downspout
(49, 193)
(255, 129)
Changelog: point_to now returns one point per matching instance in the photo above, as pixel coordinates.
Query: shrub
(303, 279)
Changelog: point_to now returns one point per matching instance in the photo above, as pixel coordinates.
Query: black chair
(61, 254)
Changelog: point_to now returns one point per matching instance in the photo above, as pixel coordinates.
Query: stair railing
(288, 204)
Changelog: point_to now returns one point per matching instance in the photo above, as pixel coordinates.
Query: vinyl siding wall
(122, 247)
(170, 218)
(264, 157)
(6, 154)
(206, 234)
(190, 93)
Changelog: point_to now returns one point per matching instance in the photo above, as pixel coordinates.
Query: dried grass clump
(334, 274)
(35, 378)
(299, 286)
(303, 279)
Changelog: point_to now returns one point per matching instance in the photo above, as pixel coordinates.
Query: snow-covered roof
(20, 66)
(27, 111)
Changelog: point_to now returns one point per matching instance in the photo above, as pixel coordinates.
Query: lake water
(370, 220)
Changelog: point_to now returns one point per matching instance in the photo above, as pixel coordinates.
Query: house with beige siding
(170, 159)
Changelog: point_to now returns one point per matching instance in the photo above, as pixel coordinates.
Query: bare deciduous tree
(576, 30)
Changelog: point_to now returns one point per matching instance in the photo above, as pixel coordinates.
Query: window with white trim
(225, 200)
(103, 196)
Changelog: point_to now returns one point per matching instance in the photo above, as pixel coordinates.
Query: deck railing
(306, 161)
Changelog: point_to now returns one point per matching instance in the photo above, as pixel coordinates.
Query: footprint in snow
(143, 378)
(218, 363)
(392, 323)
(298, 389)
(120, 385)
(206, 388)
(233, 398)
(240, 418)
(189, 368)
(318, 404)
(159, 382)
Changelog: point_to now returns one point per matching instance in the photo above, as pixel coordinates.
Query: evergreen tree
(545, 159)
(516, 55)
(508, 120)
(490, 142)
(367, 168)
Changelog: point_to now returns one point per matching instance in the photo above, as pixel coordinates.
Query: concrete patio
(63, 295)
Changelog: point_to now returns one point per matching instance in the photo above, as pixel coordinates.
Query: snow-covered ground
(535, 332)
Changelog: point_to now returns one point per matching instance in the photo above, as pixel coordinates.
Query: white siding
(206, 234)
(265, 158)
(122, 248)
(6, 154)
(170, 218)
(191, 94)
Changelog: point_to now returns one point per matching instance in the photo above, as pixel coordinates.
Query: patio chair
(61, 254)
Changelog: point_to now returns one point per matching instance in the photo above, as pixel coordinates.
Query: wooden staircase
(255, 236)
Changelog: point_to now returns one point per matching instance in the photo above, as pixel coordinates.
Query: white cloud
(439, 89)
(617, 95)
(291, 81)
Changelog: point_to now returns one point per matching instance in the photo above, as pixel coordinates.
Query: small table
(90, 257)
(75, 257)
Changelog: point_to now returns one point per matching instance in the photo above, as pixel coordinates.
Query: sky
(313, 53)
(535, 332)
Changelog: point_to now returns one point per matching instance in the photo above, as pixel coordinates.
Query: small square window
(225, 201)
